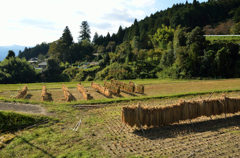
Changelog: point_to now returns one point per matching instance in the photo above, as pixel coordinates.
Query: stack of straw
(44, 94)
(22, 93)
(103, 90)
(113, 88)
(68, 96)
(159, 116)
(84, 91)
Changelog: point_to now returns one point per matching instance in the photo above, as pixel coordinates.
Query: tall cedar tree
(120, 35)
(136, 28)
(67, 36)
(85, 31)
(95, 38)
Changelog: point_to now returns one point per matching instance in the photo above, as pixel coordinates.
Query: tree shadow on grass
(172, 131)
(36, 147)
(28, 96)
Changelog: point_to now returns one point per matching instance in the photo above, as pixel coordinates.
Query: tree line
(168, 44)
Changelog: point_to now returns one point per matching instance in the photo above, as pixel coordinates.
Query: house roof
(43, 64)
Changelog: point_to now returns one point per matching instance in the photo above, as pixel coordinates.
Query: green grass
(235, 39)
(13, 120)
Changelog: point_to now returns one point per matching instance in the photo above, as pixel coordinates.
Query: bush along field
(87, 130)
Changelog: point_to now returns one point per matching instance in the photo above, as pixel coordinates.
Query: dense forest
(167, 44)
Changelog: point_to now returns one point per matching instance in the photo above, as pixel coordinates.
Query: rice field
(152, 88)
(103, 134)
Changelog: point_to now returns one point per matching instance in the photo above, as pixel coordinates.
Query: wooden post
(122, 128)
(190, 121)
(141, 126)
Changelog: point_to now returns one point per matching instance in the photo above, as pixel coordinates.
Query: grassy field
(100, 135)
(235, 39)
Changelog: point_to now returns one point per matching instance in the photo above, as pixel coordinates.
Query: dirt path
(24, 108)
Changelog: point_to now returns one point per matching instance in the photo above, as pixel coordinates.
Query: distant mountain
(4, 50)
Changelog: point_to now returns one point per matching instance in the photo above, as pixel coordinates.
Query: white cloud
(142, 3)
(29, 22)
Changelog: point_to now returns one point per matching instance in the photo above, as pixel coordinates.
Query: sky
(31, 22)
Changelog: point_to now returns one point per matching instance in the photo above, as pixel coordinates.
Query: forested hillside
(167, 44)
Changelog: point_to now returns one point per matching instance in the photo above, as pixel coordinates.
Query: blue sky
(31, 22)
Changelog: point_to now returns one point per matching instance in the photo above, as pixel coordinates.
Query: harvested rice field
(151, 89)
(99, 132)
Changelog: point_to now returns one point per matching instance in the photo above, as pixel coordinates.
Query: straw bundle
(131, 83)
(215, 107)
(167, 115)
(84, 91)
(201, 110)
(176, 113)
(103, 90)
(145, 115)
(207, 107)
(44, 94)
(113, 88)
(22, 92)
(139, 88)
(67, 95)
(237, 107)
(184, 112)
(231, 103)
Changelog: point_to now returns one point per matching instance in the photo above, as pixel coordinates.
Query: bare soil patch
(24, 108)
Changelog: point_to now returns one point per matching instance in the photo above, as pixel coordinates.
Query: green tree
(84, 31)
(237, 15)
(67, 37)
(136, 31)
(136, 43)
(10, 54)
(16, 70)
(111, 45)
(196, 36)
(59, 50)
(162, 36)
(179, 39)
(120, 35)
(95, 38)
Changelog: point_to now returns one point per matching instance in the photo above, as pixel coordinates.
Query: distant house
(43, 65)
(33, 60)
